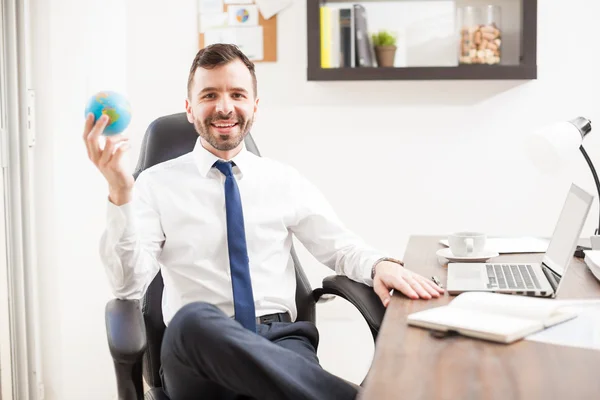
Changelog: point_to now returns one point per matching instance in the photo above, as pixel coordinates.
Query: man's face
(222, 104)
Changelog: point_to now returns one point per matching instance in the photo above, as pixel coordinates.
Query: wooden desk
(409, 363)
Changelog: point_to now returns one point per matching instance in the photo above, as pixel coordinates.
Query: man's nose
(224, 105)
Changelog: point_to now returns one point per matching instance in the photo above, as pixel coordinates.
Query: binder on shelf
(347, 41)
(365, 55)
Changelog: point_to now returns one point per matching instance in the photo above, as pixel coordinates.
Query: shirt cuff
(366, 273)
(122, 218)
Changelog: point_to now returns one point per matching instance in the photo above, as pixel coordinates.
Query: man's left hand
(390, 275)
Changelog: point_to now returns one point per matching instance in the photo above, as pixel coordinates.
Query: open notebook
(492, 316)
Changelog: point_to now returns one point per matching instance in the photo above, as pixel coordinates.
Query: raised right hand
(110, 159)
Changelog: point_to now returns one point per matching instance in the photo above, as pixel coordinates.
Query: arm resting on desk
(363, 297)
(127, 341)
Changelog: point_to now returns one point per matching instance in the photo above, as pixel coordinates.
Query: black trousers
(207, 355)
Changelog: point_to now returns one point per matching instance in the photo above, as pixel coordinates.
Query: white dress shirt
(176, 223)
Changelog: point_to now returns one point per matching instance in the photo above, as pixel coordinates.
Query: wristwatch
(384, 259)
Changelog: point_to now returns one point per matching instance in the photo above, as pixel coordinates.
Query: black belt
(279, 317)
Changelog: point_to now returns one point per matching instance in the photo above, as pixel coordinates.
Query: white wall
(394, 158)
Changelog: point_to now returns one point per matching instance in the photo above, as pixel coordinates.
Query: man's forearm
(129, 249)
(119, 196)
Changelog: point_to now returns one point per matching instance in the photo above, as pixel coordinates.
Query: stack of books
(345, 40)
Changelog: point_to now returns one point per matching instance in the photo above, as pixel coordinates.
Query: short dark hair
(218, 54)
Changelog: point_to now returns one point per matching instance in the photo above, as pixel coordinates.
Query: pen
(436, 280)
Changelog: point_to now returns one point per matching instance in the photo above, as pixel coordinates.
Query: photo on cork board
(241, 23)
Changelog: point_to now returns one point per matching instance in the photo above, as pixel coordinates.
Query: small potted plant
(384, 43)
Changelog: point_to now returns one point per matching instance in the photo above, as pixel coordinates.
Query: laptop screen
(568, 230)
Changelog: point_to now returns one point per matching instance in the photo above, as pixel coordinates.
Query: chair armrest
(125, 330)
(363, 297)
(126, 334)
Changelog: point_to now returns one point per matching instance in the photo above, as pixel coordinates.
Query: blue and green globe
(113, 104)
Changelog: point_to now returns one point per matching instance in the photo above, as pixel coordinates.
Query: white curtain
(20, 363)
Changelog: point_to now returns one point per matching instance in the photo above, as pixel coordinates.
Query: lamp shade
(553, 146)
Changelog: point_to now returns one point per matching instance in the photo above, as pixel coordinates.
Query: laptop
(524, 278)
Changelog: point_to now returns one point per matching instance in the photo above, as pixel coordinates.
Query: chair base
(155, 394)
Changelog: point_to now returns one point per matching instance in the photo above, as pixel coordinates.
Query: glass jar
(491, 34)
(479, 34)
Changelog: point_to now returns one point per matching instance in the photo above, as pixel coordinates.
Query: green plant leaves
(384, 38)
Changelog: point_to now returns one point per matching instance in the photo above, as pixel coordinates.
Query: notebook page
(583, 331)
(505, 304)
(491, 325)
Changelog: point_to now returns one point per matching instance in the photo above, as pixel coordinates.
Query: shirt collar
(205, 159)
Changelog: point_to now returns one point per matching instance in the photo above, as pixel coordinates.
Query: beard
(219, 141)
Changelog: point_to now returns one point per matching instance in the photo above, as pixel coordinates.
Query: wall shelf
(461, 72)
(526, 70)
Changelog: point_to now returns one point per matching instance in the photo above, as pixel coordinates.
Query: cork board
(269, 27)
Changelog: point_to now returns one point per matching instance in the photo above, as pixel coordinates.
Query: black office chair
(135, 331)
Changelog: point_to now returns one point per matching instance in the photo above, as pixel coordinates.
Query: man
(218, 223)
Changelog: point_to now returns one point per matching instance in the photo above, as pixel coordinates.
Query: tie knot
(226, 167)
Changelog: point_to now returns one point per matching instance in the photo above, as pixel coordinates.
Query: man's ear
(256, 104)
(188, 111)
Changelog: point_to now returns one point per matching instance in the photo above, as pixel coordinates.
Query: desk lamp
(550, 146)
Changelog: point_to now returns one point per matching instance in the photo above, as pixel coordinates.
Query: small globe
(113, 104)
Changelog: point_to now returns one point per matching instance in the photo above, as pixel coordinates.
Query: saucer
(479, 257)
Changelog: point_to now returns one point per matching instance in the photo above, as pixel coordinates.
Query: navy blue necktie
(243, 299)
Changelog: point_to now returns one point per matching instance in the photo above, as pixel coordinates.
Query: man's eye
(209, 96)
(237, 95)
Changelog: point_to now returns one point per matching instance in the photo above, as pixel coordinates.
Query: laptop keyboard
(511, 276)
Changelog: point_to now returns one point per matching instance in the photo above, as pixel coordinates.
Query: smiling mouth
(224, 127)
(230, 125)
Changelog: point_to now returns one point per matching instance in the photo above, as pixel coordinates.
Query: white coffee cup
(464, 244)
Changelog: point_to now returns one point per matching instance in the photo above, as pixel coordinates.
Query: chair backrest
(166, 138)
